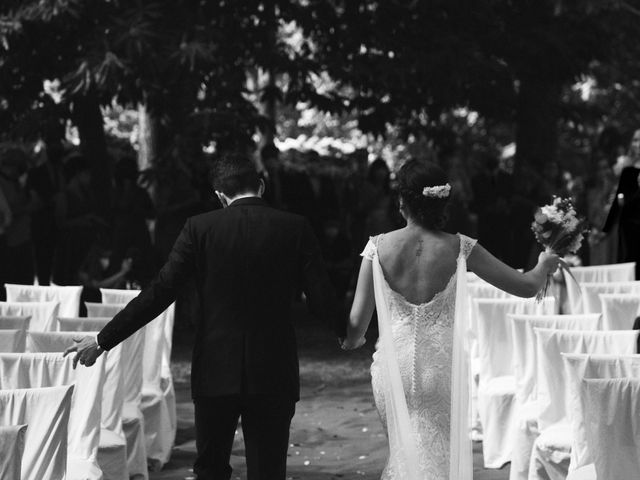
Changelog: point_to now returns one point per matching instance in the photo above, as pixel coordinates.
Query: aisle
(336, 432)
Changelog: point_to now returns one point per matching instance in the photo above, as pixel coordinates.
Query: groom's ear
(261, 188)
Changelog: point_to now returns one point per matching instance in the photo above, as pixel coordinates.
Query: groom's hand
(349, 344)
(87, 351)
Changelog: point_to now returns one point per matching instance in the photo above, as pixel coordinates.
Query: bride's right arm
(500, 275)
(363, 305)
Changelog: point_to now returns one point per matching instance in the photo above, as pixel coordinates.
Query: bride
(415, 278)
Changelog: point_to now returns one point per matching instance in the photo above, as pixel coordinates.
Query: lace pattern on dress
(423, 340)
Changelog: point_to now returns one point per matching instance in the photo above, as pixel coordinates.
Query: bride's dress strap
(466, 245)
(371, 249)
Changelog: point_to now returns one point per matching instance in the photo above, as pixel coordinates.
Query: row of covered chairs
(521, 380)
(137, 420)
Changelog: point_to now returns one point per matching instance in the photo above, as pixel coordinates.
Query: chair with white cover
(129, 362)
(38, 370)
(102, 310)
(619, 310)
(43, 314)
(618, 272)
(68, 296)
(612, 413)
(479, 289)
(13, 333)
(82, 324)
(496, 387)
(15, 323)
(579, 367)
(591, 293)
(550, 456)
(158, 394)
(12, 448)
(111, 447)
(46, 412)
(525, 365)
(12, 341)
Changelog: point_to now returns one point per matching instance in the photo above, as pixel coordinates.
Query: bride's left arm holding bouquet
(502, 276)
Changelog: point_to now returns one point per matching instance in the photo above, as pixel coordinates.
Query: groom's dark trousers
(249, 261)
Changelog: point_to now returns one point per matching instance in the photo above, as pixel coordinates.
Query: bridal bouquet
(559, 230)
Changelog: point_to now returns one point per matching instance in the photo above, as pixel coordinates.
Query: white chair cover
(525, 370)
(15, 323)
(111, 449)
(158, 397)
(102, 310)
(12, 448)
(550, 456)
(67, 297)
(612, 410)
(619, 310)
(46, 412)
(619, 272)
(591, 293)
(43, 314)
(496, 388)
(82, 324)
(588, 472)
(111, 454)
(12, 341)
(118, 296)
(580, 366)
(133, 418)
(479, 289)
(37, 370)
(158, 403)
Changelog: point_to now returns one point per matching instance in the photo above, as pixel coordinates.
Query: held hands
(351, 344)
(87, 351)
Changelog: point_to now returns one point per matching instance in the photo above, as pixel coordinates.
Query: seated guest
(96, 272)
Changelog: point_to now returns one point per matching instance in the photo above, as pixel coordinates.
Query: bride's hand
(352, 344)
(549, 261)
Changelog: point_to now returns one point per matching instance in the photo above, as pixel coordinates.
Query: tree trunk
(88, 119)
(537, 123)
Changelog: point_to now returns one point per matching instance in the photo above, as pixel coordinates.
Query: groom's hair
(234, 174)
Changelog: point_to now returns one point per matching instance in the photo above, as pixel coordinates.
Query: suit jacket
(249, 261)
(628, 186)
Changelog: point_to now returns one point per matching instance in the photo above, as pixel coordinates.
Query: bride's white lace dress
(423, 338)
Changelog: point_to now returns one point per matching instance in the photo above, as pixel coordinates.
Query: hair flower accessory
(438, 191)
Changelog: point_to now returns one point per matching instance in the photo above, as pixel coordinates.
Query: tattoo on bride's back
(419, 249)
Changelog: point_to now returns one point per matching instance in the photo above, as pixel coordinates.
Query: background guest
(18, 262)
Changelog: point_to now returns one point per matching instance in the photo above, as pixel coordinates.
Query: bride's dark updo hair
(412, 178)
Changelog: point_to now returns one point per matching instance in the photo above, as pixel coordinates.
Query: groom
(249, 262)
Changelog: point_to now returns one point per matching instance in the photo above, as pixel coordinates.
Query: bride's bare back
(418, 264)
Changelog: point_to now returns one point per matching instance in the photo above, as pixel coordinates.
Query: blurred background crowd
(52, 231)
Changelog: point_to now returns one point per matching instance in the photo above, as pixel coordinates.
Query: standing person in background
(44, 179)
(376, 202)
(18, 262)
(77, 225)
(601, 189)
(625, 211)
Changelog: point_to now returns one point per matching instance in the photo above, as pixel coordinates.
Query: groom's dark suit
(249, 261)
